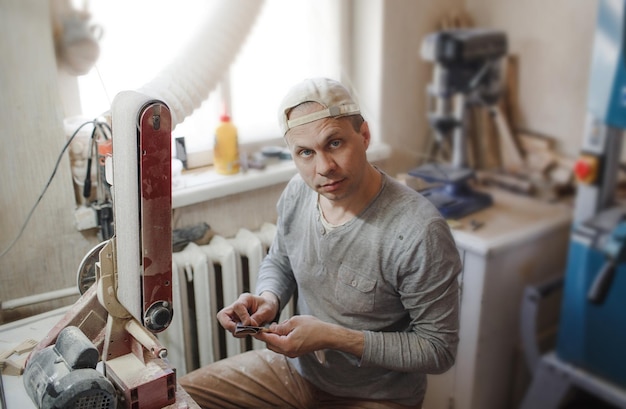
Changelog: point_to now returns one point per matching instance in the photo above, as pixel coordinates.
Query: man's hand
(249, 310)
(304, 334)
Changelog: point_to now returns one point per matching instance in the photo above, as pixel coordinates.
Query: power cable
(43, 192)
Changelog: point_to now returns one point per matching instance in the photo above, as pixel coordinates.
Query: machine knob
(158, 316)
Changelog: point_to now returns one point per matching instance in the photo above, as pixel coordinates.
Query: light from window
(291, 40)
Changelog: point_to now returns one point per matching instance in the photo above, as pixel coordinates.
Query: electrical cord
(43, 192)
(103, 126)
(87, 183)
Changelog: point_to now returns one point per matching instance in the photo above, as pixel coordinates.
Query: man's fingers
(241, 312)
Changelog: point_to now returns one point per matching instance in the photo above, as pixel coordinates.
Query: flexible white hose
(189, 80)
(203, 63)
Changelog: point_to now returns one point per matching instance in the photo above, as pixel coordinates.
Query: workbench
(35, 328)
(515, 242)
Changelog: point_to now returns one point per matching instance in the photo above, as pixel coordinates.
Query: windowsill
(202, 184)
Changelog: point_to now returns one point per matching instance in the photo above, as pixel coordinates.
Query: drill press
(466, 70)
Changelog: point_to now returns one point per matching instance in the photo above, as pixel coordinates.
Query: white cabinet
(521, 241)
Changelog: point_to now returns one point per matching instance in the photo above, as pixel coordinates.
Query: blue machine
(592, 332)
(591, 348)
(593, 317)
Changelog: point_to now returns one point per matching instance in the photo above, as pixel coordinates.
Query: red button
(582, 169)
(586, 169)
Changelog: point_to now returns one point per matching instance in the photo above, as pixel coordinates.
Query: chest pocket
(355, 292)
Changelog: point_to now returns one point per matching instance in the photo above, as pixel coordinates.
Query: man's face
(329, 154)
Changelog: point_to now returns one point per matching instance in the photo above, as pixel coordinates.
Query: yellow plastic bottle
(226, 147)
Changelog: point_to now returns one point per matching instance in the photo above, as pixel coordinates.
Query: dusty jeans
(263, 379)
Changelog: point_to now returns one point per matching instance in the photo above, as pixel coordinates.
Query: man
(375, 270)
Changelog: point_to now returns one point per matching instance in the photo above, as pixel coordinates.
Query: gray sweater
(390, 272)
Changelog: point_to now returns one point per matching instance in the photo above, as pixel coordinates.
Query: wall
(226, 215)
(553, 41)
(50, 249)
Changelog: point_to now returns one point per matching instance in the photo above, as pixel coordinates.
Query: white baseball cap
(332, 95)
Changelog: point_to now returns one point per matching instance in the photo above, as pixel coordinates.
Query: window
(290, 40)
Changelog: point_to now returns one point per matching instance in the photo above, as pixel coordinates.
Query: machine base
(149, 384)
(454, 202)
(453, 196)
(553, 378)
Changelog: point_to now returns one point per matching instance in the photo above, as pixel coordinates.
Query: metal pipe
(38, 298)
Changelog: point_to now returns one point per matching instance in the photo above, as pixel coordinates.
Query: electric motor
(64, 375)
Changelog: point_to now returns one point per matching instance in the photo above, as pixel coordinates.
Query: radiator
(205, 279)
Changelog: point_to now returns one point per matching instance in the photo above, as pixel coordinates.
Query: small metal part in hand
(475, 224)
(241, 329)
(320, 355)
